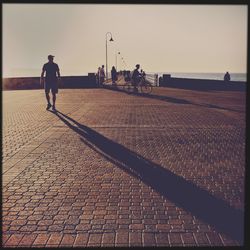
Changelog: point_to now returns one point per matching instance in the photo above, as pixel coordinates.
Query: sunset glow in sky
(162, 38)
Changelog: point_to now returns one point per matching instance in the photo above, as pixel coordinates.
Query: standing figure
(136, 77)
(102, 75)
(51, 80)
(113, 75)
(227, 77)
(98, 76)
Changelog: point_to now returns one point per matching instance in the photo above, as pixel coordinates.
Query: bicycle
(144, 86)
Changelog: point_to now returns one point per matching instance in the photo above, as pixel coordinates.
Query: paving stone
(201, 239)
(41, 240)
(122, 237)
(162, 239)
(54, 239)
(148, 239)
(135, 239)
(175, 239)
(67, 240)
(188, 239)
(14, 240)
(81, 240)
(95, 239)
(27, 240)
(108, 239)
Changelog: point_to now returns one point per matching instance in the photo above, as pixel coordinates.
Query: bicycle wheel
(146, 88)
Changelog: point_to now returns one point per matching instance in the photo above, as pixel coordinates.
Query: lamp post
(124, 64)
(116, 60)
(111, 39)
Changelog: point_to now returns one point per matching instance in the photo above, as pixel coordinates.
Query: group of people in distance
(135, 76)
(100, 75)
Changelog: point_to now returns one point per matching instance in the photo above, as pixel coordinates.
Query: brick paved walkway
(113, 169)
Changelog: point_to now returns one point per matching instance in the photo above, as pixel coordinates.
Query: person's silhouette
(136, 76)
(102, 75)
(113, 74)
(52, 75)
(227, 77)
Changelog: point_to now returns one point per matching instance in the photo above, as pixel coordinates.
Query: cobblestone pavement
(117, 169)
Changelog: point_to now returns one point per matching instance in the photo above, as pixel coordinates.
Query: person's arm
(58, 73)
(42, 76)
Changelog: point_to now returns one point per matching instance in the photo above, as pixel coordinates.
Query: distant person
(143, 72)
(113, 75)
(227, 77)
(51, 78)
(102, 75)
(136, 76)
(98, 76)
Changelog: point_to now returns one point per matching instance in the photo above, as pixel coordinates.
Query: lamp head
(111, 39)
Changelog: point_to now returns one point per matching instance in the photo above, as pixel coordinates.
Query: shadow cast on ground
(170, 99)
(183, 193)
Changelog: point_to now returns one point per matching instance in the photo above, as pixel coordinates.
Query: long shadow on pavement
(184, 193)
(172, 99)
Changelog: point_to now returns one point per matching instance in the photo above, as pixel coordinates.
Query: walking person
(51, 78)
(102, 75)
(113, 75)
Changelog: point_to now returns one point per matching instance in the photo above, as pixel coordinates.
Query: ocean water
(241, 77)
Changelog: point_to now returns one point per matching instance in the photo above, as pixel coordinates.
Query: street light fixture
(111, 40)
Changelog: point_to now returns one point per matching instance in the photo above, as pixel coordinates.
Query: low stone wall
(201, 84)
(17, 83)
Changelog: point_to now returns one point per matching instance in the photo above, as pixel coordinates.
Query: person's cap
(137, 65)
(50, 56)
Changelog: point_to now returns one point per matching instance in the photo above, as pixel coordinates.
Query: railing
(153, 79)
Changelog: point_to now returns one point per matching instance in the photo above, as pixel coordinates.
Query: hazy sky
(162, 38)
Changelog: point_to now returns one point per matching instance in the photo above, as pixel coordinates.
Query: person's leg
(48, 100)
(47, 97)
(47, 90)
(97, 81)
(54, 99)
(134, 83)
(54, 91)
